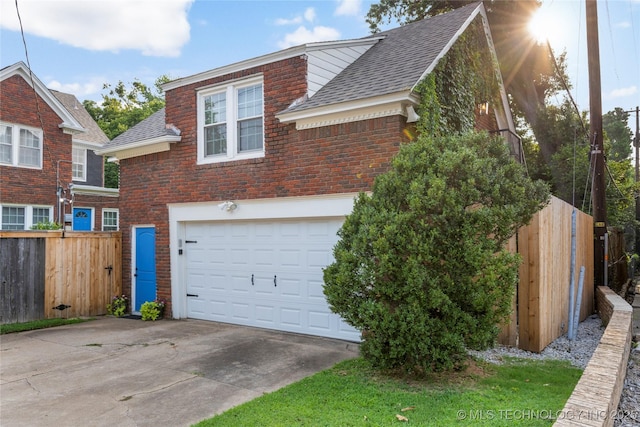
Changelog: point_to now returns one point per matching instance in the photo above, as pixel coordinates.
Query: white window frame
(15, 145)
(28, 214)
(117, 212)
(232, 153)
(32, 208)
(83, 153)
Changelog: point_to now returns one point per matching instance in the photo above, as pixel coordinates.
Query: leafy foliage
(46, 225)
(124, 107)
(421, 267)
(152, 310)
(615, 125)
(118, 305)
(464, 78)
(568, 170)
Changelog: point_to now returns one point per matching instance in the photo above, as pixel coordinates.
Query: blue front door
(145, 266)
(81, 219)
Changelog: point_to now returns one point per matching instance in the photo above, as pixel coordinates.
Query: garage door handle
(192, 295)
(274, 281)
(252, 280)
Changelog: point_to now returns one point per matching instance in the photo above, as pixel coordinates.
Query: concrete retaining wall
(594, 401)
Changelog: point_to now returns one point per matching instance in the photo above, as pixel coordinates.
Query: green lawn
(38, 324)
(352, 394)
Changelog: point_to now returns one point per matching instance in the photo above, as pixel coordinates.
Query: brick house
(49, 171)
(234, 192)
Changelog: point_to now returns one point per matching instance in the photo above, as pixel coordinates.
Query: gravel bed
(578, 353)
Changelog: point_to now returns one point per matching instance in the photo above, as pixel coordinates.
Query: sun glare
(547, 24)
(541, 25)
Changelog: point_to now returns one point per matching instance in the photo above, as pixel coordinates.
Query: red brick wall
(334, 159)
(96, 202)
(33, 186)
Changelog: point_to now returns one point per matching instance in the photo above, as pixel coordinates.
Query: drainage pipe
(576, 319)
(572, 273)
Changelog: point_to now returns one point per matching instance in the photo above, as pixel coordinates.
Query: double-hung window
(231, 122)
(20, 146)
(79, 164)
(110, 220)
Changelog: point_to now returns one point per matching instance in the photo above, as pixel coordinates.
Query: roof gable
(93, 136)
(69, 123)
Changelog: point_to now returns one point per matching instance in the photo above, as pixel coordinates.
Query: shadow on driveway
(128, 372)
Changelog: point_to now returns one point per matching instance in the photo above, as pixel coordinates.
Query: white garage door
(263, 273)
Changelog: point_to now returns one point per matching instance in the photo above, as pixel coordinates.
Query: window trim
(15, 145)
(84, 164)
(233, 153)
(117, 212)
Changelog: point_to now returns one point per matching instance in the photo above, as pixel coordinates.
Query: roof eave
(266, 59)
(351, 111)
(146, 146)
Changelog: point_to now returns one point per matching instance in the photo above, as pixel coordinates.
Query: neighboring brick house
(49, 171)
(235, 191)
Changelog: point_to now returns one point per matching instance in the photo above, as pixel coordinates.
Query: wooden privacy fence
(541, 304)
(41, 270)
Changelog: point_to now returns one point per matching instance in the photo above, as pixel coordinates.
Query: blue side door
(81, 219)
(145, 266)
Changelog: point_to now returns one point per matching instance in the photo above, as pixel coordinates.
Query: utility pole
(597, 147)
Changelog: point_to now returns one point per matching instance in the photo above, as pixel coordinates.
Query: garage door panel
(265, 314)
(264, 257)
(239, 284)
(291, 317)
(291, 288)
(233, 265)
(240, 311)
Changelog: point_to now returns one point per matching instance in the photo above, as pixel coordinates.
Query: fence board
(21, 280)
(73, 269)
(543, 290)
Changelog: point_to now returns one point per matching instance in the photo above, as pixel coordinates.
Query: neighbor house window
(231, 122)
(13, 218)
(109, 220)
(20, 146)
(41, 215)
(24, 217)
(79, 164)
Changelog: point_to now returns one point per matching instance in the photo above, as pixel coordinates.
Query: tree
(421, 266)
(569, 171)
(616, 127)
(121, 108)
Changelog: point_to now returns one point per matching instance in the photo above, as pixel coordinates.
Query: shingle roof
(152, 127)
(395, 63)
(93, 132)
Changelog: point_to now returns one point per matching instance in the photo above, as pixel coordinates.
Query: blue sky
(76, 46)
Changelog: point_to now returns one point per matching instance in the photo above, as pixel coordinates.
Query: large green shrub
(420, 267)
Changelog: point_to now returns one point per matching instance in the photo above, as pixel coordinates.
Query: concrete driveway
(124, 372)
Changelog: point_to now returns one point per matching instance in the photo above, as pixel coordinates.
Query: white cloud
(348, 8)
(622, 92)
(309, 15)
(155, 28)
(292, 21)
(302, 35)
(80, 90)
(623, 24)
